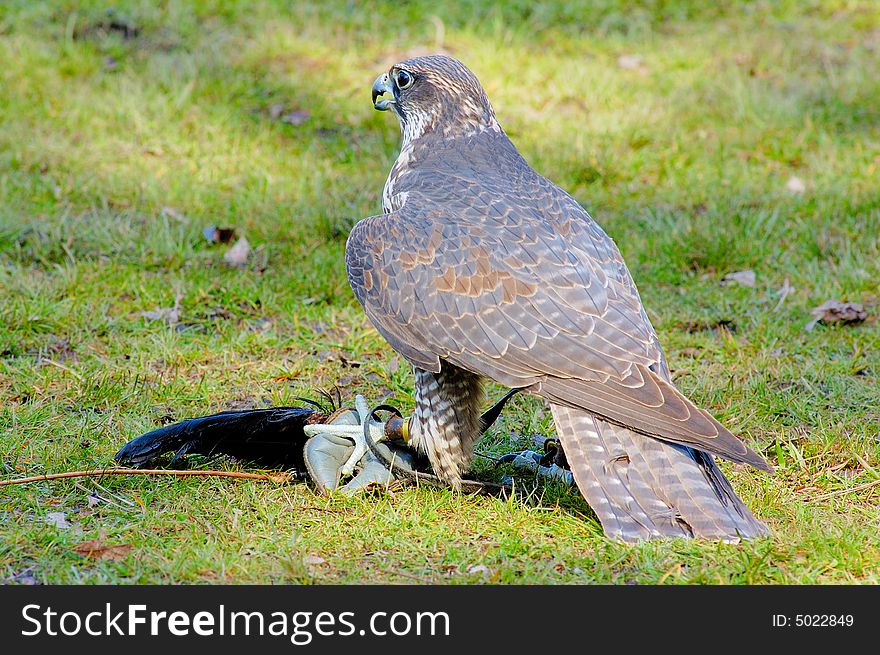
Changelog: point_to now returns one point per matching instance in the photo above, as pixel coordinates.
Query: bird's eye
(404, 80)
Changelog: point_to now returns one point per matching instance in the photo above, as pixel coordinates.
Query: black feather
(272, 438)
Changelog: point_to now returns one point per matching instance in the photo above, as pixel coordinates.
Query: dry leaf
(313, 560)
(278, 112)
(173, 213)
(24, 578)
(170, 315)
(97, 549)
(58, 519)
(482, 569)
(835, 311)
(237, 255)
(795, 185)
(275, 111)
(632, 62)
(296, 117)
(745, 278)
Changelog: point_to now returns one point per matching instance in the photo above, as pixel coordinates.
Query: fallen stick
(278, 478)
(843, 492)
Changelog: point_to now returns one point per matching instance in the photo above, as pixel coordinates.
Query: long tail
(273, 438)
(642, 488)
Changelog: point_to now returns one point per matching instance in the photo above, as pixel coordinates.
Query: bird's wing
(521, 286)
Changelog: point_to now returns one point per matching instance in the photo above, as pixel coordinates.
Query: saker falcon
(480, 268)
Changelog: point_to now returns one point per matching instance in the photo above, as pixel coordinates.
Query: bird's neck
(414, 128)
(463, 120)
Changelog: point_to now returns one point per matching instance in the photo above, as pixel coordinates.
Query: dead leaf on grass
(718, 325)
(170, 315)
(58, 519)
(278, 112)
(296, 117)
(58, 349)
(480, 569)
(97, 549)
(171, 212)
(23, 578)
(834, 311)
(795, 185)
(275, 111)
(745, 278)
(633, 63)
(237, 255)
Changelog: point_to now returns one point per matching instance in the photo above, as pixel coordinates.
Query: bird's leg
(353, 432)
(350, 428)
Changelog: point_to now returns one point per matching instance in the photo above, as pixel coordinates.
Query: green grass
(117, 149)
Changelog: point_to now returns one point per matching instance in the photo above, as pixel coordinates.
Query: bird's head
(431, 94)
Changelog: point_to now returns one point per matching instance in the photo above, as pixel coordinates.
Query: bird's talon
(529, 460)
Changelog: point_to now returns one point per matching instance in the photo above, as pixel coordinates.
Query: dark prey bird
(479, 268)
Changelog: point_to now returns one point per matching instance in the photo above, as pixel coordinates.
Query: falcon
(481, 269)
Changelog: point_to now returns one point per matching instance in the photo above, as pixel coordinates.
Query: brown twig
(279, 478)
(842, 492)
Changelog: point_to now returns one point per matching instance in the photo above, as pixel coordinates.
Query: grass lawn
(705, 140)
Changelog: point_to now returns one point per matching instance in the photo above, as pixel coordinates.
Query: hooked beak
(381, 86)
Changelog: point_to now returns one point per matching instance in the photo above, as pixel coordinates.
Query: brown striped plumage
(482, 268)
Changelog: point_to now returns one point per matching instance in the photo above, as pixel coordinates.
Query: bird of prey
(480, 268)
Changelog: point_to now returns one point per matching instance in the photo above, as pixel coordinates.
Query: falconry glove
(337, 449)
